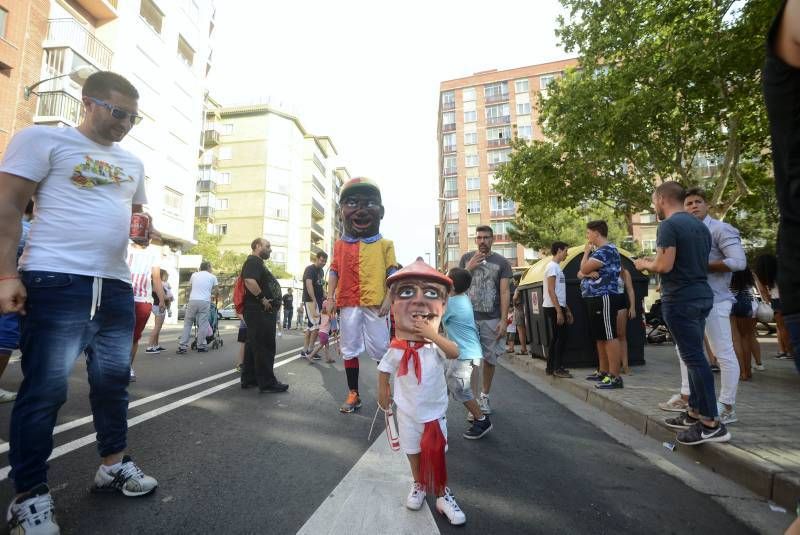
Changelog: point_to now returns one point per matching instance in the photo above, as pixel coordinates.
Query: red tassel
(432, 467)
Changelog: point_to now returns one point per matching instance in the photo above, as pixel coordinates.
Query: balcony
(503, 119)
(318, 185)
(209, 159)
(449, 127)
(204, 211)
(100, 9)
(502, 97)
(317, 210)
(316, 250)
(448, 148)
(450, 171)
(508, 212)
(210, 138)
(450, 193)
(207, 186)
(452, 239)
(501, 142)
(58, 107)
(449, 105)
(317, 228)
(494, 166)
(498, 238)
(69, 33)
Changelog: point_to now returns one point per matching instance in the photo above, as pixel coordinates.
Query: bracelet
(9, 277)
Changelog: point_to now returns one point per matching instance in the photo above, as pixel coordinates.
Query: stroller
(213, 339)
(656, 329)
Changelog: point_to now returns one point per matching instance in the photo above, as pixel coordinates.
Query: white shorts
(362, 329)
(411, 433)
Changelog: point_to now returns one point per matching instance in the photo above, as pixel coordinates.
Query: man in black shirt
(261, 302)
(288, 309)
(313, 296)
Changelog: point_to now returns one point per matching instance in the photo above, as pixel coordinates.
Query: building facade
(478, 117)
(266, 176)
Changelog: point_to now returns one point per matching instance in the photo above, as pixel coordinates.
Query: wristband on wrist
(8, 277)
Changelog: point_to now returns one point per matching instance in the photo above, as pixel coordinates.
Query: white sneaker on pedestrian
(675, 404)
(447, 506)
(6, 396)
(483, 403)
(726, 416)
(124, 477)
(132, 376)
(152, 350)
(280, 333)
(759, 367)
(416, 497)
(33, 513)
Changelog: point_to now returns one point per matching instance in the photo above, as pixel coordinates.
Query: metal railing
(210, 138)
(502, 119)
(452, 239)
(318, 184)
(501, 142)
(77, 37)
(204, 211)
(503, 213)
(449, 171)
(501, 97)
(495, 165)
(450, 193)
(448, 105)
(60, 105)
(316, 227)
(501, 238)
(316, 206)
(448, 148)
(315, 249)
(209, 186)
(448, 127)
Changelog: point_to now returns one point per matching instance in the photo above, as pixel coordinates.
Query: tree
(227, 262)
(662, 88)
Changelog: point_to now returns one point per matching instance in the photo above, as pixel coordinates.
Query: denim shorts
(9, 333)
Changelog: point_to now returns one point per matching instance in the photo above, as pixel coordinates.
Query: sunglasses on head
(118, 113)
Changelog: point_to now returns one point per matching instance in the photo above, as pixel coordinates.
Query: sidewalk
(763, 454)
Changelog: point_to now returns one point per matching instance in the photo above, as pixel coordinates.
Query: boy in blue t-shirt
(459, 323)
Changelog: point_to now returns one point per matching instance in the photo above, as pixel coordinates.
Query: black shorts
(619, 301)
(242, 336)
(602, 317)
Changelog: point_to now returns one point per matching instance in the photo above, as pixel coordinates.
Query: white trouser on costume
(410, 432)
(363, 329)
(720, 338)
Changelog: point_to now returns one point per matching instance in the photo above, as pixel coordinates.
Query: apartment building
(23, 27)
(264, 175)
(164, 48)
(478, 117)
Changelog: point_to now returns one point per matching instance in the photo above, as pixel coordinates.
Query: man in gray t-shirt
(490, 298)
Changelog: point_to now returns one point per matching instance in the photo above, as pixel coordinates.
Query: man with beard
(362, 259)
(262, 300)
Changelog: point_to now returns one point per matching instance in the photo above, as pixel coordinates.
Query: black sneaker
(596, 376)
(562, 373)
(274, 388)
(478, 429)
(682, 421)
(317, 357)
(715, 368)
(202, 350)
(181, 351)
(609, 383)
(699, 433)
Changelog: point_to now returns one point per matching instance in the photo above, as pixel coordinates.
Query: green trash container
(580, 350)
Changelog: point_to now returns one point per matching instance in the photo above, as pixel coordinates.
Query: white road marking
(89, 439)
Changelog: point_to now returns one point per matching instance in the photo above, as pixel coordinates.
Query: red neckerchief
(409, 348)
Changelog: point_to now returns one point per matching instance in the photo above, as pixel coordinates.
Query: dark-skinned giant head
(361, 206)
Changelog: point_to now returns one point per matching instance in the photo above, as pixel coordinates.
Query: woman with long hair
(743, 323)
(766, 279)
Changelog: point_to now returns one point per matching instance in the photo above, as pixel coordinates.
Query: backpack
(238, 295)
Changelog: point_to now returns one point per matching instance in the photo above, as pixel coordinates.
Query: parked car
(228, 312)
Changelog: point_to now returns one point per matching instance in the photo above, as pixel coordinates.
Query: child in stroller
(213, 339)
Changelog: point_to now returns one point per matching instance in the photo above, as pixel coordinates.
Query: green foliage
(226, 262)
(661, 86)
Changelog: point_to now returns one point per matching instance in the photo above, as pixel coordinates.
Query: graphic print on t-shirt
(483, 291)
(93, 173)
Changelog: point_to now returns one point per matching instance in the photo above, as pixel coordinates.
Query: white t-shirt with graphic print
(83, 201)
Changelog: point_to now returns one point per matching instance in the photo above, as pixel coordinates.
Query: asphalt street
(235, 461)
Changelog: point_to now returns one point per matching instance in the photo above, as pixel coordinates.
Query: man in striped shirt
(145, 266)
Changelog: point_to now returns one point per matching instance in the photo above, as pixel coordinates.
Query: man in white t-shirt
(556, 311)
(73, 288)
(145, 266)
(202, 284)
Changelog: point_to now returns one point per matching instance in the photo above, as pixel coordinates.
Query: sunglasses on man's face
(118, 113)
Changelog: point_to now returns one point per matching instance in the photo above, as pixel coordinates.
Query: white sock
(109, 469)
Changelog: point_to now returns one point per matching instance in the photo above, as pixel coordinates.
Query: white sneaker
(483, 403)
(6, 396)
(126, 478)
(759, 367)
(280, 333)
(416, 497)
(34, 515)
(726, 416)
(132, 378)
(447, 506)
(675, 404)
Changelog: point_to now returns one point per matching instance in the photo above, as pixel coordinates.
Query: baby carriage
(213, 339)
(657, 330)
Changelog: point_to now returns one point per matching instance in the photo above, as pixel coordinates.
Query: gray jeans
(198, 310)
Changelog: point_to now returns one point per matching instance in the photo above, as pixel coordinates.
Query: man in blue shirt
(599, 271)
(683, 247)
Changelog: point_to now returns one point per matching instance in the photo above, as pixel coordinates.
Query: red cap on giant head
(419, 270)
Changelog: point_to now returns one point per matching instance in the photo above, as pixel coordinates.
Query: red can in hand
(140, 227)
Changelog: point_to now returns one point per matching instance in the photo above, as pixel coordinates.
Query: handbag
(764, 312)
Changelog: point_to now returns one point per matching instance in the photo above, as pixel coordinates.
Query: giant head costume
(419, 293)
(362, 211)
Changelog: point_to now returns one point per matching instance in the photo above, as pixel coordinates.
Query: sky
(367, 74)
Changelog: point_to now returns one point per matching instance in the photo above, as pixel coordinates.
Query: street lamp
(79, 75)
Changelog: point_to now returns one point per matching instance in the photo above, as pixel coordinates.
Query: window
(471, 160)
(277, 206)
(449, 142)
(648, 245)
(497, 203)
(224, 178)
(173, 201)
(647, 219)
(470, 138)
(450, 186)
(544, 83)
(473, 183)
(452, 254)
(523, 108)
(225, 153)
(222, 204)
(501, 227)
(185, 52)
(498, 156)
(448, 99)
(525, 132)
(449, 117)
(521, 86)
(470, 115)
(3, 21)
(468, 94)
(500, 110)
(474, 207)
(504, 132)
(449, 165)
(151, 15)
(222, 230)
(471, 232)
(451, 209)
(226, 129)
(496, 90)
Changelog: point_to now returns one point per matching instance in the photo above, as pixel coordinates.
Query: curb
(760, 476)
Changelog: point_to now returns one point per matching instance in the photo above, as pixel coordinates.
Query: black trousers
(259, 355)
(558, 340)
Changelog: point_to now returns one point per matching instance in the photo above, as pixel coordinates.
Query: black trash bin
(580, 351)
